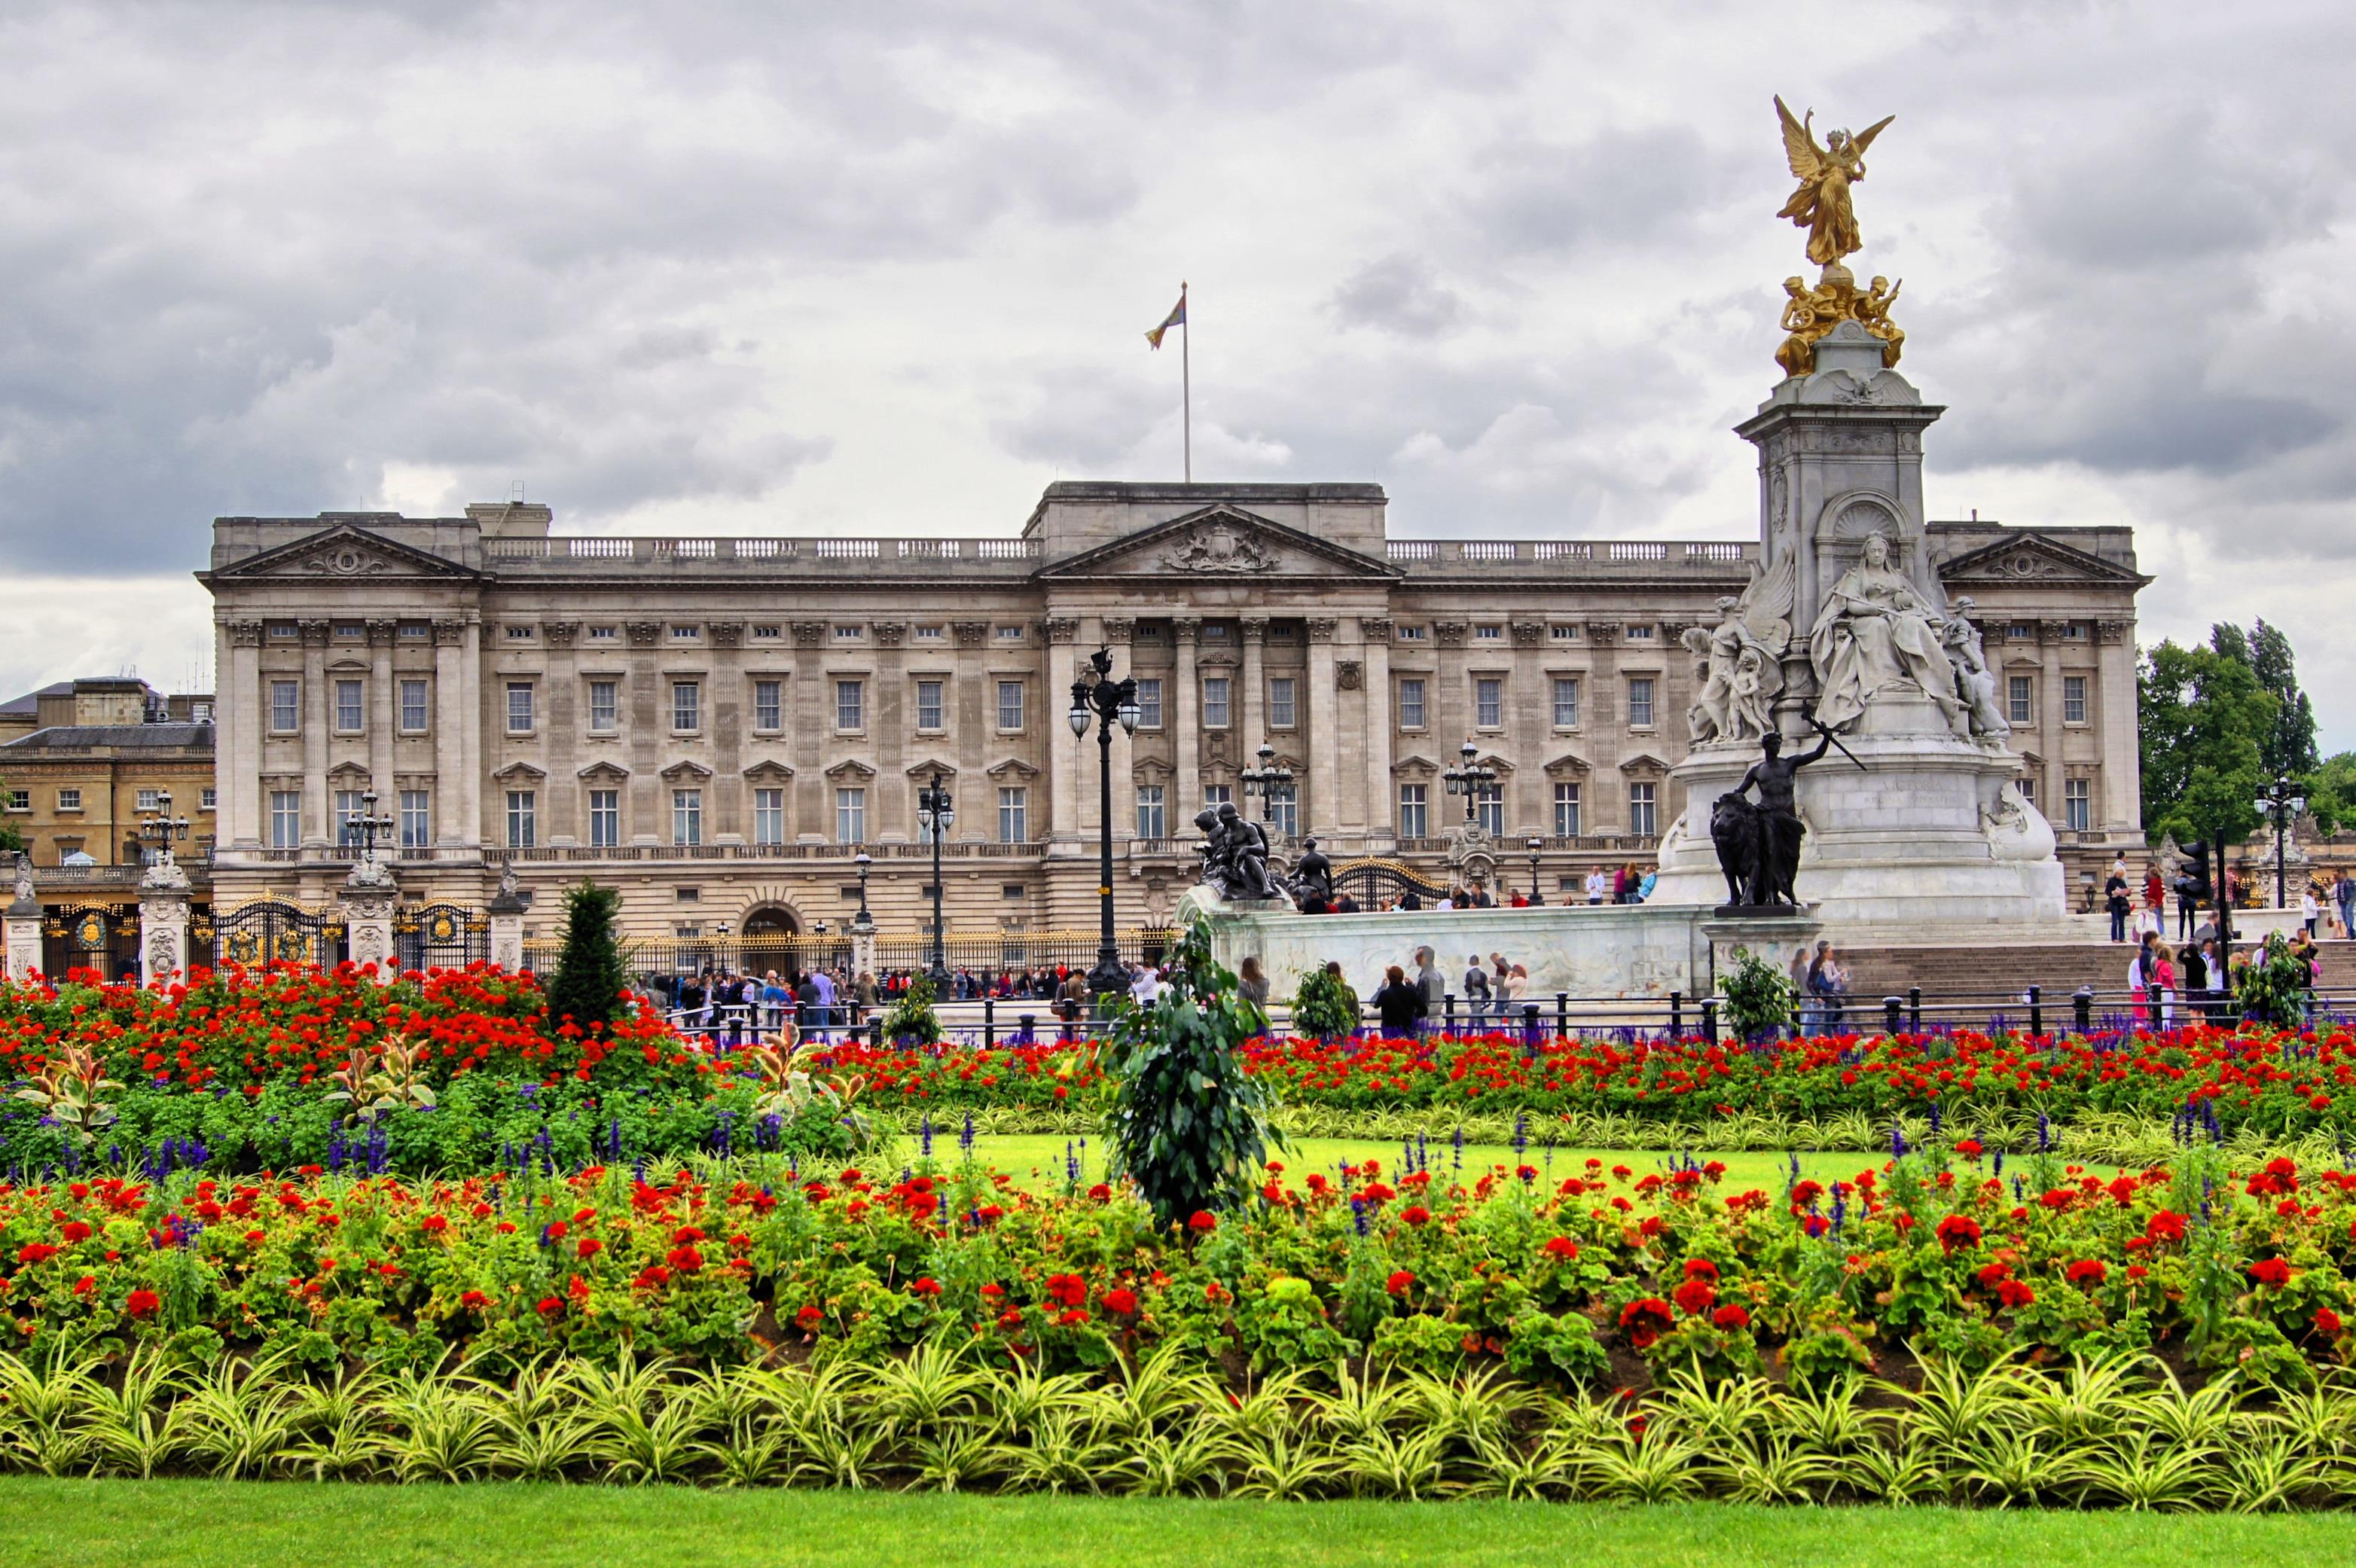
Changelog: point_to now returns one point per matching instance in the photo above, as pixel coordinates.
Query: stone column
(237, 756)
(809, 721)
(450, 823)
(384, 716)
(1254, 712)
(1531, 704)
(1185, 720)
(162, 923)
(892, 809)
(2121, 810)
(2051, 736)
(1382, 803)
(1603, 809)
(1063, 756)
(1321, 720)
(317, 832)
(20, 925)
(367, 902)
(561, 700)
(1118, 632)
(470, 734)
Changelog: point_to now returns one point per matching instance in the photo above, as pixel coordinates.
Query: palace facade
(719, 726)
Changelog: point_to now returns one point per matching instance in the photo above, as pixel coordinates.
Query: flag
(1177, 317)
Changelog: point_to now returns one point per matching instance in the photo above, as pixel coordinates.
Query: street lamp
(1470, 778)
(936, 814)
(367, 827)
(862, 923)
(1533, 843)
(1098, 695)
(719, 945)
(2283, 806)
(164, 827)
(1271, 781)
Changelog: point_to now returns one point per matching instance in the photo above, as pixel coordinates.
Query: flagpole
(1186, 381)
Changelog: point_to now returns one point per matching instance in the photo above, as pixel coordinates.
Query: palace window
(518, 708)
(348, 806)
(1410, 704)
(605, 707)
(1642, 819)
(208, 799)
(1488, 633)
(519, 634)
(849, 704)
(849, 633)
(2078, 804)
(286, 819)
(2019, 695)
(150, 800)
(850, 816)
(416, 819)
(1563, 634)
(1489, 804)
(20, 800)
(523, 820)
(1215, 701)
(1149, 702)
(604, 818)
(414, 631)
(285, 706)
(1014, 815)
(686, 634)
(1489, 703)
(1565, 811)
(928, 704)
(767, 631)
(2074, 699)
(1219, 794)
(768, 816)
(350, 706)
(1149, 819)
(1010, 633)
(1414, 633)
(1009, 704)
(604, 634)
(1280, 702)
(1640, 703)
(1415, 811)
(69, 800)
(686, 705)
(687, 816)
(768, 705)
(413, 700)
(1566, 702)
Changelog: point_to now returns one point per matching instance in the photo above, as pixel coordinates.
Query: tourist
(1476, 992)
(2163, 976)
(1428, 981)
(2141, 969)
(1828, 984)
(2115, 899)
(2343, 893)
(1797, 973)
(1399, 1005)
(1597, 885)
(806, 1003)
(1251, 981)
(1512, 988)
(862, 991)
(2155, 892)
(1146, 988)
(2309, 912)
(1644, 887)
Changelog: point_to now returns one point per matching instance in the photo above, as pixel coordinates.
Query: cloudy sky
(785, 268)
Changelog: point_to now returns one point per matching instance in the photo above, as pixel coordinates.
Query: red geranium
(2270, 1270)
(1959, 1230)
(143, 1303)
(1730, 1316)
(1400, 1283)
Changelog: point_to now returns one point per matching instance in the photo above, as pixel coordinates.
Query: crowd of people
(2327, 906)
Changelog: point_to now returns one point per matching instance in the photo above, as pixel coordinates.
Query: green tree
(591, 974)
(1188, 1125)
(11, 841)
(2331, 792)
(2287, 748)
(2201, 717)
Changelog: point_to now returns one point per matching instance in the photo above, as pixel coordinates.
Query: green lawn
(1036, 1160)
(167, 1524)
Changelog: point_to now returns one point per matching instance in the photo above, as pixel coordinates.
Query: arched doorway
(770, 922)
(770, 939)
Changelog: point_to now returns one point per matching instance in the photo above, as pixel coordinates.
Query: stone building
(718, 726)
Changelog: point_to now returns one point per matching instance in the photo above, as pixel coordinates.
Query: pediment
(1644, 762)
(766, 771)
(2032, 557)
(343, 550)
(1571, 765)
(605, 773)
(1015, 767)
(685, 770)
(927, 767)
(1415, 768)
(520, 773)
(1222, 543)
(851, 770)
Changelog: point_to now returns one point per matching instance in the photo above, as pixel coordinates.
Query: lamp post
(164, 827)
(368, 826)
(1096, 696)
(1468, 778)
(1272, 784)
(719, 945)
(2283, 806)
(936, 814)
(863, 923)
(1533, 843)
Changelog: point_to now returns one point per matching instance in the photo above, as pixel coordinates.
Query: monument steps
(2058, 969)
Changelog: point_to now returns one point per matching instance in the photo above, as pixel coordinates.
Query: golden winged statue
(1821, 205)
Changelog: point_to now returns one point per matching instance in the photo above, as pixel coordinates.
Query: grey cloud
(1621, 188)
(1398, 294)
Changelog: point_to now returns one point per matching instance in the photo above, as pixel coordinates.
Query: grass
(1035, 1161)
(167, 1524)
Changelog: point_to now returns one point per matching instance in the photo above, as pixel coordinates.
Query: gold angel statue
(1821, 205)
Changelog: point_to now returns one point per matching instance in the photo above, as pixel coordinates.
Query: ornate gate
(274, 932)
(441, 937)
(1374, 882)
(103, 937)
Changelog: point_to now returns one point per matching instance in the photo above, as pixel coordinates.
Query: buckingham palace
(719, 727)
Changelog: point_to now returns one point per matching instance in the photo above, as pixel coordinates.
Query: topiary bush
(1758, 996)
(593, 976)
(1324, 1007)
(911, 1016)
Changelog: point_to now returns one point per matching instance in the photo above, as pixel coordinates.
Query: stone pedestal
(370, 894)
(22, 924)
(506, 910)
(162, 923)
(1772, 937)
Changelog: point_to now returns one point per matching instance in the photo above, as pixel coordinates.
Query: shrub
(1324, 1007)
(1758, 996)
(592, 974)
(911, 1017)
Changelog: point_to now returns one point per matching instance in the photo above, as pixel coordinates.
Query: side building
(719, 726)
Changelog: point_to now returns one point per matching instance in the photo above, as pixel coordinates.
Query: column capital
(314, 633)
(1118, 628)
(560, 633)
(449, 634)
(1254, 628)
(727, 633)
(1374, 628)
(1322, 628)
(1060, 629)
(382, 634)
(244, 633)
(1186, 629)
(1449, 634)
